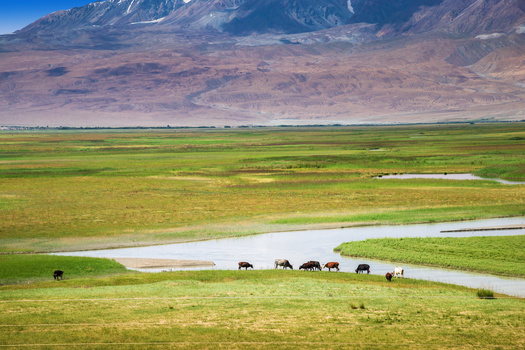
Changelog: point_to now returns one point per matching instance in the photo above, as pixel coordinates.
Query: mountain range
(266, 62)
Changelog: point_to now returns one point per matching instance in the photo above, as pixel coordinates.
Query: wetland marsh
(90, 189)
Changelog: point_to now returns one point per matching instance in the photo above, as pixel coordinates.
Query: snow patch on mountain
(489, 36)
(349, 5)
(129, 8)
(150, 22)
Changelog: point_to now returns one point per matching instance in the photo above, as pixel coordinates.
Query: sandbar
(146, 263)
(490, 228)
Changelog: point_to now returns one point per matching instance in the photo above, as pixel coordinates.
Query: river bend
(301, 246)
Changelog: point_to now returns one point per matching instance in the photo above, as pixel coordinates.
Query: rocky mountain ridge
(267, 62)
(246, 17)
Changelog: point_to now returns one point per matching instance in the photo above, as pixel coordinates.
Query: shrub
(485, 294)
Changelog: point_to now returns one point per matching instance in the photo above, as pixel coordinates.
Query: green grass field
(255, 310)
(32, 268)
(71, 190)
(502, 255)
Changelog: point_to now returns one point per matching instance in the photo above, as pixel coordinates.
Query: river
(301, 246)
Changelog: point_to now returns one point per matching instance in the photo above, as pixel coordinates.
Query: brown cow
(245, 265)
(307, 266)
(331, 265)
(388, 276)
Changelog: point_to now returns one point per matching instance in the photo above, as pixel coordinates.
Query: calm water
(301, 246)
(449, 177)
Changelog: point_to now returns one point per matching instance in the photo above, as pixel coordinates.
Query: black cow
(362, 268)
(58, 274)
(245, 265)
(316, 264)
(388, 276)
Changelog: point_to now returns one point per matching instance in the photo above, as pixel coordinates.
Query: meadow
(255, 310)
(502, 255)
(86, 189)
(25, 269)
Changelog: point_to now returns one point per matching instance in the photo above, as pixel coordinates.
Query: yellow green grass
(502, 255)
(255, 310)
(70, 190)
(31, 268)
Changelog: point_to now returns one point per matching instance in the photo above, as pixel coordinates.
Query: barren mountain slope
(402, 81)
(507, 64)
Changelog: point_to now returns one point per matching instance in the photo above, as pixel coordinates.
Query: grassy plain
(503, 255)
(255, 310)
(32, 268)
(71, 190)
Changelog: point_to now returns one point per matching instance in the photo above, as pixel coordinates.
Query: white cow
(399, 272)
(284, 263)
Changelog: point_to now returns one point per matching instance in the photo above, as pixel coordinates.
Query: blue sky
(16, 14)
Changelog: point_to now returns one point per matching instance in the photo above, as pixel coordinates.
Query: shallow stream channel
(448, 177)
(300, 246)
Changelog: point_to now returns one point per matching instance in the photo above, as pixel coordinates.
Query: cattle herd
(307, 266)
(313, 265)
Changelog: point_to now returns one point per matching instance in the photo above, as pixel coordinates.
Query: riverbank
(491, 228)
(239, 229)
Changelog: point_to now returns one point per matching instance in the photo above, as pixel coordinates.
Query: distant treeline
(17, 127)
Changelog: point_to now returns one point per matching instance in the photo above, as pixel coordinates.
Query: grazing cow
(398, 271)
(316, 264)
(58, 274)
(388, 276)
(307, 266)
(245, 265)
(331, 265)
(284, 263)
(363, 268)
